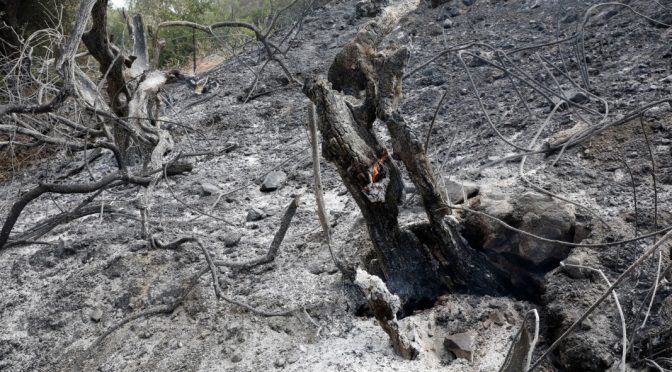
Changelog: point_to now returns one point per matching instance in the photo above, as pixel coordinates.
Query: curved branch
(76, 188)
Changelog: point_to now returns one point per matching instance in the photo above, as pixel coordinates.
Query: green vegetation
(179, 46)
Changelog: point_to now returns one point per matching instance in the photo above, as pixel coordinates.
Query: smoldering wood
(419, 262)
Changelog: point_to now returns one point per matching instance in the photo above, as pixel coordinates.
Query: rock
(436, 3)
(525, 259)
(579, 256)
(208, 189)
(447, 23)
(454, 191)
(255, 214)
(480, 59)
(274, 181)
(468, 2)
(96, 315)
(573, 95)
(461, 345)
(232, 239)
(236, 358)
(369, 8)
(280, 363)
(497, 317)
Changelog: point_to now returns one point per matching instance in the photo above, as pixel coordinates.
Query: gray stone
(369, 8)
(579, 257)
(447, 23)
(455, 193)
(208, 189)
(236, 358)
(232, 239)
(255, 214)
(461, 345)
(537, 214)
(573, 95)
(497, 317)
(274, 181)
(524, 258)
(96, 315)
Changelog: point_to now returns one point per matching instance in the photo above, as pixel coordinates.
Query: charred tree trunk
(421, 262)
(111, 65)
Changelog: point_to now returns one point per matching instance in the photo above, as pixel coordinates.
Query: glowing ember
(376, 172)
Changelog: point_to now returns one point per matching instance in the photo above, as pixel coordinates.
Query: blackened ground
(55, 303)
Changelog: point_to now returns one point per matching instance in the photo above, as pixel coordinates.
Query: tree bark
(111, 65)
(420, 262)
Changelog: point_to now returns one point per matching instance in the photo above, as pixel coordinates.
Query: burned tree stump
(420, 262)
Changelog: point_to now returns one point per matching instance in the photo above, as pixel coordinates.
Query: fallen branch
(385, 306)
(73, 188)
(275, 244)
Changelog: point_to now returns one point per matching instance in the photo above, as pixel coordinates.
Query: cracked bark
(420, 262)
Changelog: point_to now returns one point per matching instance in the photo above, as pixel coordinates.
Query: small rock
(447, 23)
(96, 315)
(468, 2)
(236, 358)
(572, 95)
(274, 181)
(279, 363)
(232, 239)
(581, 258)
(497, 317)
(461, 345)
(255, 214)
(208, 189)
(454, 191)
(316, 269)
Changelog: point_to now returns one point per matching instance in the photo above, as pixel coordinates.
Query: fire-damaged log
(420, 262)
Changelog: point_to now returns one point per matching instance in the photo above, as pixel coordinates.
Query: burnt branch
(72, 188)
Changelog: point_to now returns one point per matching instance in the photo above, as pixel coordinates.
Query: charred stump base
(420, 263)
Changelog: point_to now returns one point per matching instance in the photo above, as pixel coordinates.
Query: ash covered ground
(57, 300)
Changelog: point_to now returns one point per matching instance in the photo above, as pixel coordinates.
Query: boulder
(537, 214)
(523, 258)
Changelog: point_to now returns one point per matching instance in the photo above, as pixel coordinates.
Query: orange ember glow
(377, 173)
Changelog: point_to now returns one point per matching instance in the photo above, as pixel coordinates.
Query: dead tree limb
(75, 188)
(98, 44)
(275, 244)
(271, 49)
(41, 228)
(385, 306)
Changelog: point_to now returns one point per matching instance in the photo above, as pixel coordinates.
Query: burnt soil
(56, 300)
